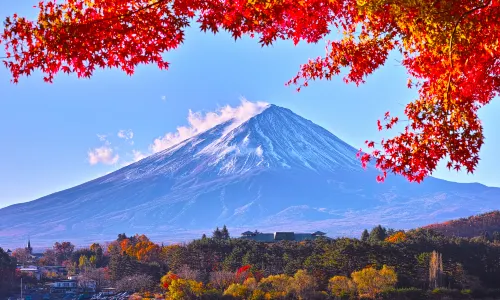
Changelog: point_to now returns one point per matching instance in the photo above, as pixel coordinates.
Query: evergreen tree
(225, 233)
(114, 265)
(377, 234)
(120, 265)
(204, 237)
(217, 234)
(121, 237)
(486, 236)
(496, 236)
(365, 235)
(7, 273)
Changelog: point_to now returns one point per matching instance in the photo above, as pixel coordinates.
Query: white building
(64, 286)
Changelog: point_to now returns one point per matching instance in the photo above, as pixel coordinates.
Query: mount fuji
(276, 171)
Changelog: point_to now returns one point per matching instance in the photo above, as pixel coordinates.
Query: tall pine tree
(377, 234)
(225, 233)
(217, 234)
(365, 235)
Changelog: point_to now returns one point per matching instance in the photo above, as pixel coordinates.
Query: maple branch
(450, 54)
(124, 15)
(451, 41)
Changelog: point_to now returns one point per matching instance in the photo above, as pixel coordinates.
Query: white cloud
(163, 98)
(199, 122)
(138, 155)
(103, 155)
(102, 137)
(259, 151)
(125, 134)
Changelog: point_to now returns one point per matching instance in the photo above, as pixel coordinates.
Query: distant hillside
(469, 227)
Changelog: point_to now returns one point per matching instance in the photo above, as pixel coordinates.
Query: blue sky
(48, 130)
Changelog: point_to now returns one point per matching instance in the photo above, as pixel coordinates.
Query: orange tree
(450, 49)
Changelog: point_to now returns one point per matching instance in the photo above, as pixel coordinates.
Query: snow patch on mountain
(200, 122)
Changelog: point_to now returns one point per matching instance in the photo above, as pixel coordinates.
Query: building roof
(284, 236)
(319, 233)
(281, 236)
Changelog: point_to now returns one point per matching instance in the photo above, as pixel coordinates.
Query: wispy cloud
(199, 122)
(126, 134)
(102, 155)
(102, 137)
(137, 156)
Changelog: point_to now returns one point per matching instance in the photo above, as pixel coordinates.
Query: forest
(487, 223)
(381, 264)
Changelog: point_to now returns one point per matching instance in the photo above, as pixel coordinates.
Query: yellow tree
(340, 286)
(303, 284)
(371, 281)
(276, 285)
(181, 289)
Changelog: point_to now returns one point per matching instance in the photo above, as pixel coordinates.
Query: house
(31, 270)
(281, 236)
(64, 286)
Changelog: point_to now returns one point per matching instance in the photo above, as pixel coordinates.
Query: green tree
(225, 233)
(7, 272)
(496, 236)
(120, 264)
(377, 234)
(217, 234)
(365, 235)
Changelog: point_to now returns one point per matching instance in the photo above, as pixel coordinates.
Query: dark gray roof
(281, 236)
(262, 237)
(284, 236)
(319, 233)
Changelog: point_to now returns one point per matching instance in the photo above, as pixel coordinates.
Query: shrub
(238, 291)
(403, 294)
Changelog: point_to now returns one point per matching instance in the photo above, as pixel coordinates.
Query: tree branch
(451, 41)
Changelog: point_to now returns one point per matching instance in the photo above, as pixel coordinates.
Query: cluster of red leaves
(243, 273)
(449, 47)
(142, 248)
(167, 280)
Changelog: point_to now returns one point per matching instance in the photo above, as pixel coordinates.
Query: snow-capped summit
(276, 138)
(274, 170)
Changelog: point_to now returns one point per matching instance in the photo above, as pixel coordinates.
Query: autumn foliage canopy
(450, 49)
